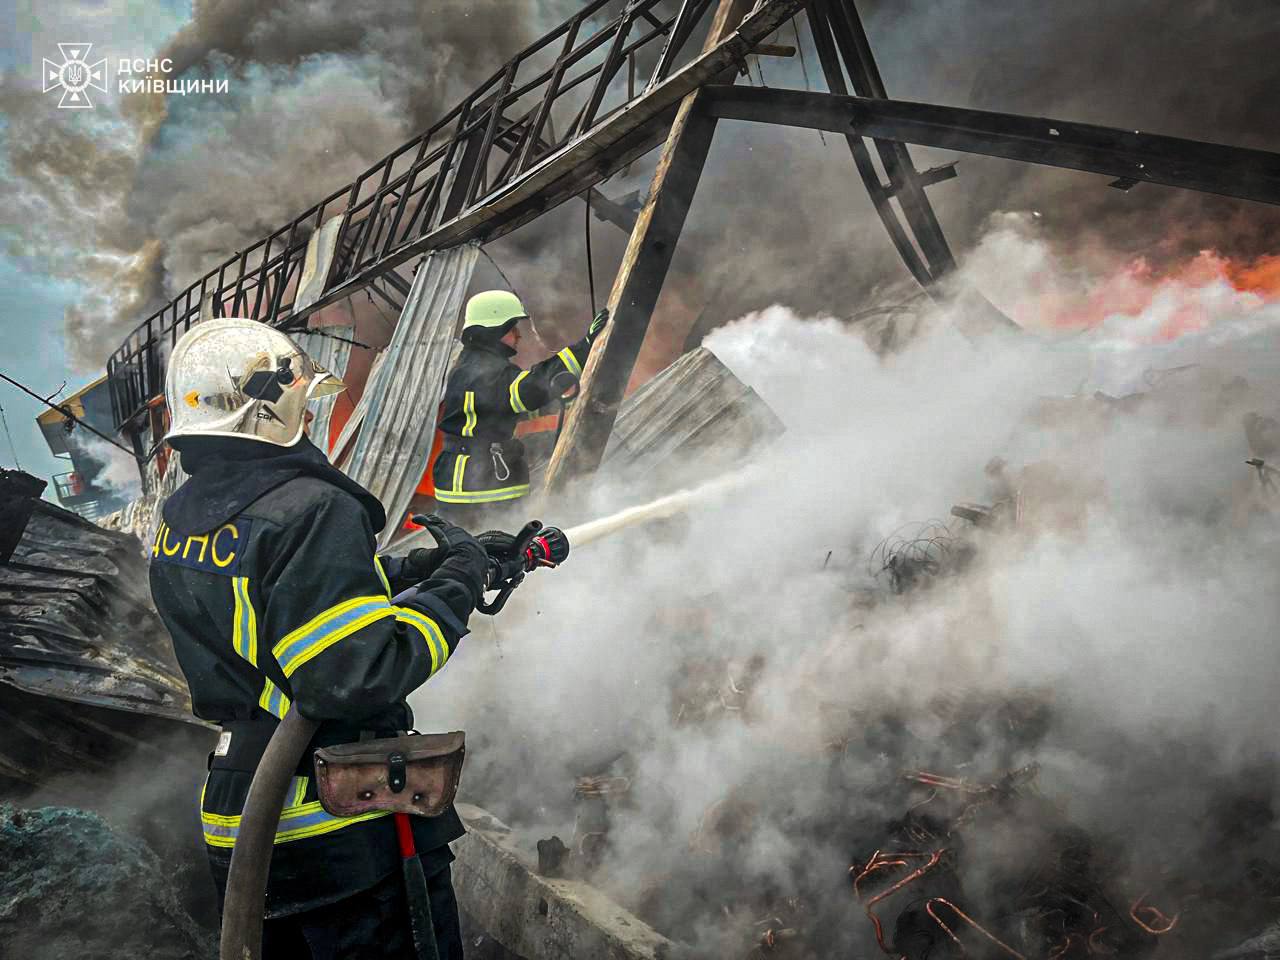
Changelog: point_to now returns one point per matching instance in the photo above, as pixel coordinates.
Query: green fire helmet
(493, 309)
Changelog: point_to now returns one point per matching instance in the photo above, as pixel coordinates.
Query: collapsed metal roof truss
(496, 161)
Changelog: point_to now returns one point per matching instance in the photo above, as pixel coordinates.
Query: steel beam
(855, 50)
(1126, 154)
(880, 196)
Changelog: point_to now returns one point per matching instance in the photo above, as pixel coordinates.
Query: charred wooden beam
(610, 211)
(1130, 155)
(639, 280)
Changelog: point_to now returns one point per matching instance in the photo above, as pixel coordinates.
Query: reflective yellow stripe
(459, 471)
(469, 408)
(273, 700)
(311, 821)
(326, 629)
(297, 821)
(481, 496)
(431, 633)
(244, 622)
(514, 390)
(570, 361)
(382, 575)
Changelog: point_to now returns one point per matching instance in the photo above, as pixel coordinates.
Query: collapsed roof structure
(589, 97)
(605, 87)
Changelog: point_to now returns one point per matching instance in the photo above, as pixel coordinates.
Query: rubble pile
(87, 672)
(74, 887)
(959, 858)
(928, 826)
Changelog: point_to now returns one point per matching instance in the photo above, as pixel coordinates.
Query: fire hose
(511, 559)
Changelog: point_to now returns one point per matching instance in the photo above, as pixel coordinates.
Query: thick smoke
(142, 197)
(1136, 611)
(114, 470)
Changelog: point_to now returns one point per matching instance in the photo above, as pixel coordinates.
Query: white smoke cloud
(118, 471)
(1140, 616)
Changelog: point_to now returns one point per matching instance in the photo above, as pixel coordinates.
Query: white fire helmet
(241, 378)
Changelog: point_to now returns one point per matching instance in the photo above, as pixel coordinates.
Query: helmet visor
(326, 385)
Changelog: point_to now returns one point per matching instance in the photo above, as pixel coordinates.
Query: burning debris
(1026, 731)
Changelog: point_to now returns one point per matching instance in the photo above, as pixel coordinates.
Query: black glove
(418, 565)
(497, 544)
(462, 558)
(597, 324)
(500, 548)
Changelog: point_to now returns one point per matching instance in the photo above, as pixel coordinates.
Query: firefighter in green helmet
(481, 463)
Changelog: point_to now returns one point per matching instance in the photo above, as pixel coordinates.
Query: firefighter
(264, 571)
(481, 462)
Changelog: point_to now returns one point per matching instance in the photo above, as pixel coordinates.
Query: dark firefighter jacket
(481, 462)
(283, 605)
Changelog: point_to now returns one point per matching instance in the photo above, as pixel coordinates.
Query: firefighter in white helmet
(265, 574)
(481, 462)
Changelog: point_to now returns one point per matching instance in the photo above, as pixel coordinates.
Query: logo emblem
(75, 75)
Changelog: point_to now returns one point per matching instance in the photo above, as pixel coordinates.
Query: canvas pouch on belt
(415, 773)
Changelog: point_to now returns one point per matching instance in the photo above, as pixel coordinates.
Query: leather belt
(242, 743)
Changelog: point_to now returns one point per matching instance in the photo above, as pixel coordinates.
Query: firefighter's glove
(418, 565)
(597, 324)
(462, 558)
(500, 548)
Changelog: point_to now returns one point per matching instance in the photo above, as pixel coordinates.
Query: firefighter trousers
(371, 925)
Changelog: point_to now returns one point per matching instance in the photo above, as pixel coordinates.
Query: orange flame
(1174, 301)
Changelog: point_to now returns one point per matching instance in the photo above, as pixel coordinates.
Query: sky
(33, 302)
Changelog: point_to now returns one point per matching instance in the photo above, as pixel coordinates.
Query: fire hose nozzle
(511, 558)
(549, 547)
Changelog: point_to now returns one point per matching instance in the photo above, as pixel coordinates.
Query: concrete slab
(543, 918)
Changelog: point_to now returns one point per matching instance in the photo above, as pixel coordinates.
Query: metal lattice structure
(490, 164)
(616, 83)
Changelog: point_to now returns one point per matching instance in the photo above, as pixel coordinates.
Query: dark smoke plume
(320, 90)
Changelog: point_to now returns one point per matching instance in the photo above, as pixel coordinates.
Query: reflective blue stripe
(431, 633)
(570, 361)
(245, 626)
(273, 700)
(328, 628)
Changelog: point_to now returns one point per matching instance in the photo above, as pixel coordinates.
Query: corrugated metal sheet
(694, 419)
(402, 395)
(332, 354)
(76, 620)
(87, 672)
